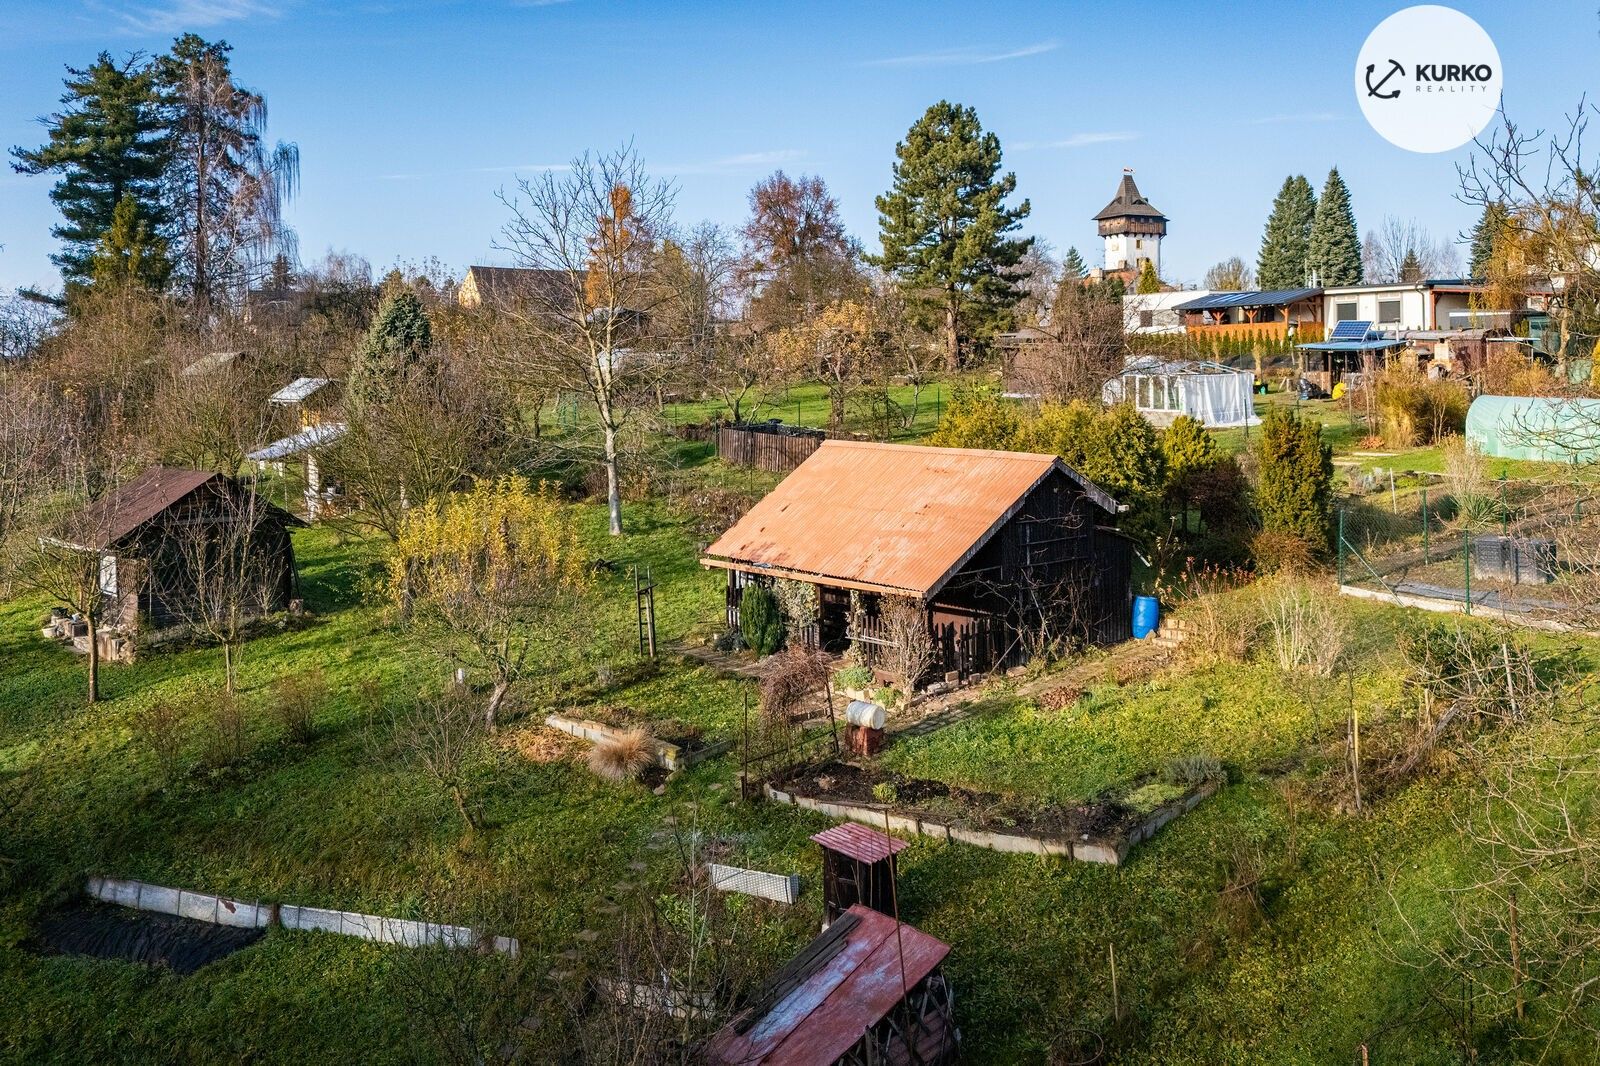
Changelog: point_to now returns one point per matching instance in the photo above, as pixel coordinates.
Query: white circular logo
(1428, 79)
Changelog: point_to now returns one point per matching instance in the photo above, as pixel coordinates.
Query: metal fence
(1525, 549)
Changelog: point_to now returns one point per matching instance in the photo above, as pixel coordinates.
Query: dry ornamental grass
(624, 757)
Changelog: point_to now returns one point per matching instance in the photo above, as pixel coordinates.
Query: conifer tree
(1333, 251)
(1072, 265)
(944, 224)
(1490, 225)
(1282, 263)
(1411, 267)
(396, 343)
(110, 140)
(1294, 494)
(1148, 281)
(130, 253)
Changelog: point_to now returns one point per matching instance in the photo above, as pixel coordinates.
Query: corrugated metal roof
(307, 439)
(1251, 298)
(297, 390)
(127, 507)
(852, 975)
(1377, 344)
(894, 518)
(859, 842)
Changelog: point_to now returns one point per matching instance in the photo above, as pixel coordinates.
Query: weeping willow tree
(226, 187)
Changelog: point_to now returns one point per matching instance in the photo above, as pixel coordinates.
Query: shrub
(800, 605)
(1283, 553)
(1304, 625)
(854, 677)
(162, 727)
(1294, 490)
(884, 792)
(977, 418)
(1192, 771)
(623, 757)
(760, 620)
(790, 677)
(227, 739)
(1414, 409)
(295, 699)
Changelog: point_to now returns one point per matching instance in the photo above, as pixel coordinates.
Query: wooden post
(1516, 957)
(1116, 1002)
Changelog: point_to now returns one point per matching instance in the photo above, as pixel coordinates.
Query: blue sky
(410, 114)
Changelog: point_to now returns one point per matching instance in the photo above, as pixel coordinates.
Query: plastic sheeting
(1213, 394)
(1541, 428)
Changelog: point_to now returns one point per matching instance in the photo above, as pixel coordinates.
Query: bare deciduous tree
(1398, 248)
(590, 325)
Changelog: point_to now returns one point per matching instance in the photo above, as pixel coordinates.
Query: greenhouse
(1161, 390)
(1549, 429)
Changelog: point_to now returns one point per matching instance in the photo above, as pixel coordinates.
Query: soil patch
(101, 931)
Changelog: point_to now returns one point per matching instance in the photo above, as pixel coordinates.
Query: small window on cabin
(1344, 312)
(1388, 311)
(108, 575)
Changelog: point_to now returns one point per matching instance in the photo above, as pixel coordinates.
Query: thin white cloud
(742, 161)
(513, 168)
(1308, 116)
(176, 16)
(970, 55)
(1076, 140)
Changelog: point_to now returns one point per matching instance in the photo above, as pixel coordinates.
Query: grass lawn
(345, 821)
(808, 405)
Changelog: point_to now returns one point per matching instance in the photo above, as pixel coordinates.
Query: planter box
(1108, 851)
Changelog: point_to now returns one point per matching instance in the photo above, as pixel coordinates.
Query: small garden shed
(997, 552)
(150, 531)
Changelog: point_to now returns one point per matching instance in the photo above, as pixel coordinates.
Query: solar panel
(1350, 330)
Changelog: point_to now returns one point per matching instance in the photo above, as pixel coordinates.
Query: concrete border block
(158, 898)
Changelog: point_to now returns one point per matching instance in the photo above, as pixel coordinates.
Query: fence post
(1505, 516)
(1340, 547)
(1425, 558)
(1466, 556)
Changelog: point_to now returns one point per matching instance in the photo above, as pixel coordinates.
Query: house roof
(832, 993)
(858, 842)
(125, 509)
(1129, 203)
(1249, 298)
(893, 518)
(495, 284)
(211, 364)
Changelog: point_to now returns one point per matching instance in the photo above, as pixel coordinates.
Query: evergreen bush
(760, 620)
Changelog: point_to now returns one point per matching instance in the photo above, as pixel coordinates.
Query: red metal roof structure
(893, 518)
(127, 507)
(859, 842)
(831, 994)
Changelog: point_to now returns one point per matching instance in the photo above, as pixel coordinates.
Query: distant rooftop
(1129, 203)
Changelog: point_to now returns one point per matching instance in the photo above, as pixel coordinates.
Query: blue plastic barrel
(1146, 616)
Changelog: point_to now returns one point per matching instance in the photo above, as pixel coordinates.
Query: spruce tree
(396, 343)
(944, 224)
(1294, 492)
(1411, 267)
(1490, 224)
(130, 253)
(1282, 263)
(1072, 266)
(1333, 251)
(109, 141)
(1148, 281)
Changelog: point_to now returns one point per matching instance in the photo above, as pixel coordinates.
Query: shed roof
(836, 989)
(125, 509)
(307, 439)
(128, 506)
(859, 842)
(511, 284)
(894, 518)
(1249, 298)
(298, 390)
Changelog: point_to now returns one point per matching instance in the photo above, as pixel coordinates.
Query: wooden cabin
(991, 547)
(146, 531)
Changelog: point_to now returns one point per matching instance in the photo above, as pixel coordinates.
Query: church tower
(1132, 229)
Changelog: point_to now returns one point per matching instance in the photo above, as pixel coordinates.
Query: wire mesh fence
(1526, 548)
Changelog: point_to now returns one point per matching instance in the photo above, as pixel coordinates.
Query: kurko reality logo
(1428, 79)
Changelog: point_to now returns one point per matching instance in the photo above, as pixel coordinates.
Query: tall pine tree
(1490, 225)
(109, 141)
(944, 224)
(1333, 251)
(1282, 263)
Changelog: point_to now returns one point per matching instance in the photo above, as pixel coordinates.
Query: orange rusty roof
(893, 518)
